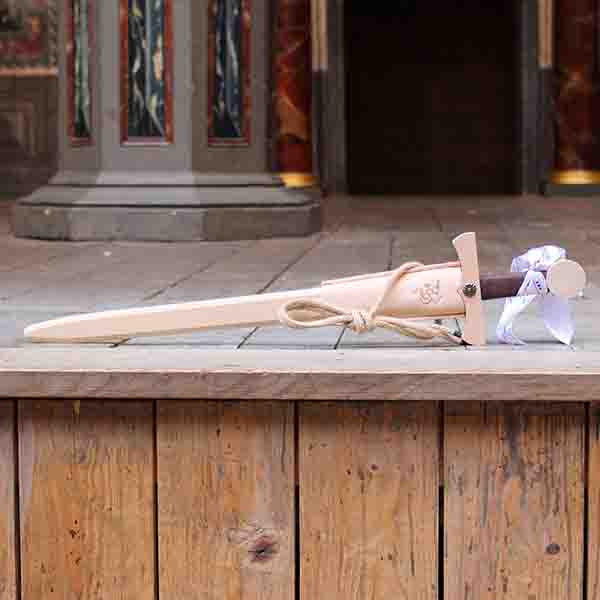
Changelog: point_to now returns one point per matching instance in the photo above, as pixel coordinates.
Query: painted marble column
(576, 114)
(293, 92)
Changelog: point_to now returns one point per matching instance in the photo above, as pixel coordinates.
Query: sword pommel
(566, 278)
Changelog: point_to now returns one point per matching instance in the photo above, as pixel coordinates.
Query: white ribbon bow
(555, 311)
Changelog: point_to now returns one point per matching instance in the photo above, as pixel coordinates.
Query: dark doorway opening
(432, 97)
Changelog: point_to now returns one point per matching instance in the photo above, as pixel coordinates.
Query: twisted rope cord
(361, 321)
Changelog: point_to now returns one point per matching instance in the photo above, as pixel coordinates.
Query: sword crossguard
(565, 278)
(470, 289)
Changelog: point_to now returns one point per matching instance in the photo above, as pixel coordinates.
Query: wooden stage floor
(311, 480)
(42, 280)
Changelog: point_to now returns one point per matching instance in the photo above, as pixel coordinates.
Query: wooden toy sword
(411, 300)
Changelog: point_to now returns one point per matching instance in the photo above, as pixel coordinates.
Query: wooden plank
(249, 272)
(530, 328)
(13, 323)
(180, 373)
(459, 214)
(24, 254)
(87, 500)
(350, 215)
(514, 501)
(28, 282)
(113, 275)
(593, 495)
(334, 257)
(5, 206)
(426, 247)
(226, 500)
(368, 476)
(495, 252)
(586, 314)
(8, 559)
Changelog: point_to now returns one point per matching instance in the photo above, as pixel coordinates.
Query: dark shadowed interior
(432, 97)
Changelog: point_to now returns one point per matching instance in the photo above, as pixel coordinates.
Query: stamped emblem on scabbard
(430, 293)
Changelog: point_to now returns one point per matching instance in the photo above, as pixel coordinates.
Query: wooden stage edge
(375, 374)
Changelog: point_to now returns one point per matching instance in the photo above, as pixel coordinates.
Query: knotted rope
(361, 321)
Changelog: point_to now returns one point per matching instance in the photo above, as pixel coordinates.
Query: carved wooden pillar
(292, 92)
(577, 118)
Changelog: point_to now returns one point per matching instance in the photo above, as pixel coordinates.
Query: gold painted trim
(546, 33)
(298, 180)
(29, 72)
(576, 177)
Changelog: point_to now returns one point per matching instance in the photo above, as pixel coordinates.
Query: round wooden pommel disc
(566, 278)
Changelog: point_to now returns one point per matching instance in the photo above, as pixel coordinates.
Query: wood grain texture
(8, 569)
(501, 286)
(514, 501)
(416, 374)
(226, 500)
(333, 257)
(98, 277)
(593, 491)
(87, 500)
(368, 479)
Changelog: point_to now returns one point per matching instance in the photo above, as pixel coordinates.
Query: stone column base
(209, 208)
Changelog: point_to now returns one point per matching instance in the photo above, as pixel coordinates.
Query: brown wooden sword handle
(501, 286)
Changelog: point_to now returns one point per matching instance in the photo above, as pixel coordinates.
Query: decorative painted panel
(28, 130)
(79, 54)
(146, 72)
(28, 37)
(229, 73)
(17, 130)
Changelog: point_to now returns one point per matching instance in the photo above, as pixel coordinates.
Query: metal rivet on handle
(469, 290)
